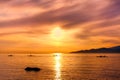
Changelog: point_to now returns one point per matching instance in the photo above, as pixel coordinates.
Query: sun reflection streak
(57, 66)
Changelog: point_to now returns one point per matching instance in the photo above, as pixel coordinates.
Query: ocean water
(60, 66)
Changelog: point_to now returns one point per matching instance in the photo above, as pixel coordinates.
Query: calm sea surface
(60, 67)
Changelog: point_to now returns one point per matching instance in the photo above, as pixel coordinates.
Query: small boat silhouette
(10, 55)
(101, 56)
(30, 55)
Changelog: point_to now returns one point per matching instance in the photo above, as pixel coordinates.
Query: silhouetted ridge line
(115, 49)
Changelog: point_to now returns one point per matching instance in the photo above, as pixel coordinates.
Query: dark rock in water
(32, 69)
(101, 56)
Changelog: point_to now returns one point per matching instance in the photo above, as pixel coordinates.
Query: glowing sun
(57, 33)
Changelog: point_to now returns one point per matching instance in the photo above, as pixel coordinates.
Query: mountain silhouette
(115, 49)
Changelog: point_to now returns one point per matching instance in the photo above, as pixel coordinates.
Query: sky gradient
(58, 25)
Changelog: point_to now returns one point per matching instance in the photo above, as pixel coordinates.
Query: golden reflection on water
(57, 57)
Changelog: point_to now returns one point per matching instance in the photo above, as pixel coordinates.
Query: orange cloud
(86, 24)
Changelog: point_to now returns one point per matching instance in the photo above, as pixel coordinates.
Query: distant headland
(115, 49)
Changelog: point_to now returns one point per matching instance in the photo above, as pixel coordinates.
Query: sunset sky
(58, 25)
